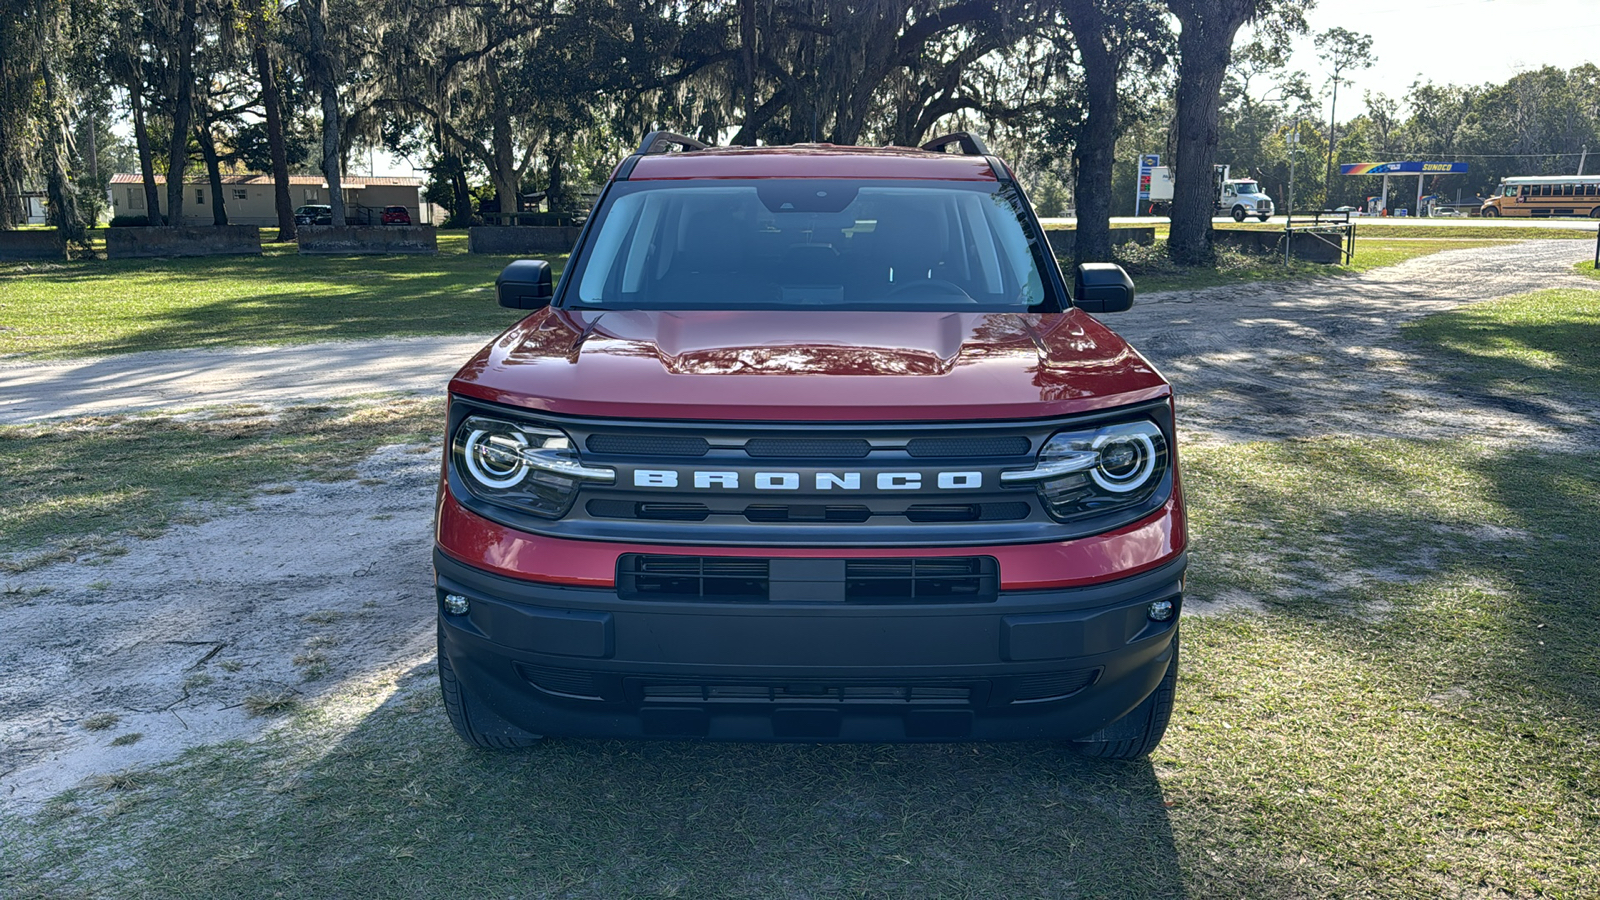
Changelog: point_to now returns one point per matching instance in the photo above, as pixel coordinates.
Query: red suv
(811, 443)
(396, 215)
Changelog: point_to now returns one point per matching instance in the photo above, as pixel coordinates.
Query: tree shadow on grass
(399, 808)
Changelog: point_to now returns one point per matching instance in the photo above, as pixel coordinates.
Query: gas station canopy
(1412, 167)
(1404, 168)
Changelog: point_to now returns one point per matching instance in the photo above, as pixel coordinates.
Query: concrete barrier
(32, 244)
(518, 240)
(1324, 248)
(1065, 240)
(363, 240)
(198, 240)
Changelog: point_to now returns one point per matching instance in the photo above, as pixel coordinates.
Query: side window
(135, 198)
(240, 193)
(1511, 191)
(199, 195)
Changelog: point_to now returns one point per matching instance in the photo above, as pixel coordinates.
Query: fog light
(456, 605)
(1160, 611)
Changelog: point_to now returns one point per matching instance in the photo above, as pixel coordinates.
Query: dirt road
(330, 582)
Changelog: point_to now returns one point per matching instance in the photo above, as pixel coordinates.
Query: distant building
(249, 198)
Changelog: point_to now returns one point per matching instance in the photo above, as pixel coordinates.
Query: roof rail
(659, 141)
(970, 145)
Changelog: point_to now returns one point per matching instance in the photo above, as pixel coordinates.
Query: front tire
(1135, 735)
(1238, 214)
(1489, 212)
(475, 723)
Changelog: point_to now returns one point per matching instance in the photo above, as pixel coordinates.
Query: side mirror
(525, 284)
(1102, 288)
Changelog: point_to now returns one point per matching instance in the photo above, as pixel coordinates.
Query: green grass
(1410, 713)
(91, 307)
(1588, 269)
(1404, 705)
(1541, 344)
(79, 487)
(1153, 271)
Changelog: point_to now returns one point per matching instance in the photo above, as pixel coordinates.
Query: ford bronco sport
(811, 443)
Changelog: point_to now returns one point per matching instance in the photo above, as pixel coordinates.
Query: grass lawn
(91, 307)
(1403, 704)
(78, 488)
(1152, 271)
(1588, 269)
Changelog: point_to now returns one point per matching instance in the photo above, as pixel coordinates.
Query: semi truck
(1237, 197)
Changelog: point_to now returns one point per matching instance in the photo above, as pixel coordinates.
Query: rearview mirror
(1102, 288)
(525, 284)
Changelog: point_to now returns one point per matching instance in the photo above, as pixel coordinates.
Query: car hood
(809, 366)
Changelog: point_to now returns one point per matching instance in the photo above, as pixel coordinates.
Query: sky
(1452, 41)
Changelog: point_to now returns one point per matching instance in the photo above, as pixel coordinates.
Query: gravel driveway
(175, 635)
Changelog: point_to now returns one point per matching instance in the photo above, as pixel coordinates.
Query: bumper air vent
(937, 579)
(789, 692)
(1052, 685)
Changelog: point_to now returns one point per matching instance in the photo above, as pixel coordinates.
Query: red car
(811, 443)
(396, 215)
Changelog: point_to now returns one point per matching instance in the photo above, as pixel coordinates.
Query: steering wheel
(932, 286)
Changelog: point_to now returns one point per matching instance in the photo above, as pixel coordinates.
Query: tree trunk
(63, 203)
(208, 151)
(182, 110)
(462, 214)
(273, 104)
(1095, 149)
(747, 62)
(316, 13)
(557, 188)
(147, 163)
(1205, 45)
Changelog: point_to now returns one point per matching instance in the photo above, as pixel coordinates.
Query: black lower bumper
(1057, 664)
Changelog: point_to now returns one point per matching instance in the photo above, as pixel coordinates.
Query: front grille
(956, 447)
(647, 445)
(806, 448)
(804, 513)
(935, 579)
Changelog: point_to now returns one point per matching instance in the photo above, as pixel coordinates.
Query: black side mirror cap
(525, 284)
(1102, 288)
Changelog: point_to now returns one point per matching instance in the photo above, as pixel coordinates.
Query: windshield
(810, 243)
(1248, 187)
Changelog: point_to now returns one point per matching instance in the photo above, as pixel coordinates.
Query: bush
(130, 221)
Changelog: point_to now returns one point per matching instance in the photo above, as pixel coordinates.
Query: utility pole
(1581, 159)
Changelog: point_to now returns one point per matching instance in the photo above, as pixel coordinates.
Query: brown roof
(357, 181)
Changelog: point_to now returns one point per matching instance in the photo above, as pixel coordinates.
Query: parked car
(396, 215)
(314, 214)
(811, 444)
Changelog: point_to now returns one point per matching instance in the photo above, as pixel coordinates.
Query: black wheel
(1136, 734)
(1595, 213)
(475, 723)
(1490, 212)
(1238, 214)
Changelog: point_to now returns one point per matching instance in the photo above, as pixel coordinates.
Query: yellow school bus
(1545, 195)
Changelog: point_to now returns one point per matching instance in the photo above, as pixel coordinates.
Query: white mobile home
(249, 198)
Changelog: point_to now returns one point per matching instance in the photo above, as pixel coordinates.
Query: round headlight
(494, 457)
(1126, 461)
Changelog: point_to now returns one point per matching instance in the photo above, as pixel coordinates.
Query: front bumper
(1059, 663)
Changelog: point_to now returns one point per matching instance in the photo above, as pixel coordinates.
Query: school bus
(1545, 195)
